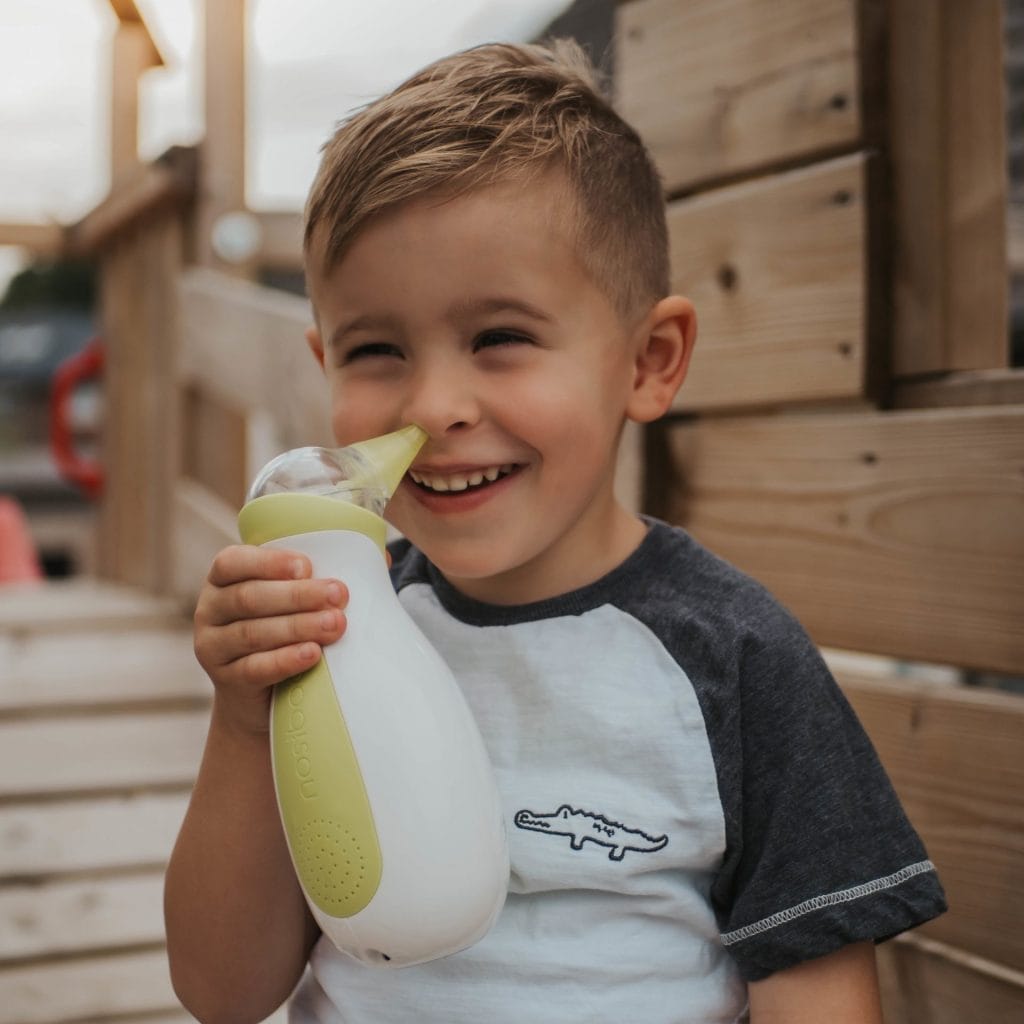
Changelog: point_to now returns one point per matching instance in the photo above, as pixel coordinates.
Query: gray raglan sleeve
(819, 851)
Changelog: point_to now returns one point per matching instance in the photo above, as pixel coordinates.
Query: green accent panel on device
(321, 795)
(273, 516)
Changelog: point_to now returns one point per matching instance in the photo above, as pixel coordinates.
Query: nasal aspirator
(385, 790)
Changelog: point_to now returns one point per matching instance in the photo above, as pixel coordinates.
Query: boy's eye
(498, 339)
(369, 350)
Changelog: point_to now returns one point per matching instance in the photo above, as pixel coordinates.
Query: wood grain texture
(897, 533)
(777, 270)
(87, 988)
(955, 757)
(63, 917)
(96, 668)
(82, 604)
(94, 753)
(244, 344)
(95, 834)
(922, 985)
(946, 142)
(717, 87)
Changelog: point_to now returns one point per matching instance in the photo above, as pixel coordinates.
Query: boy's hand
(259, 619)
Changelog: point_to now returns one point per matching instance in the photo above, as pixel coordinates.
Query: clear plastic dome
(340, 473)
(364, 474)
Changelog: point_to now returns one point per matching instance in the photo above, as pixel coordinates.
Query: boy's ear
(662, 358)
(316, 345)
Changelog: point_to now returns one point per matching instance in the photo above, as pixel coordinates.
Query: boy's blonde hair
(501, 112)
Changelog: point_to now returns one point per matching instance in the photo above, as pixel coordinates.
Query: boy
(698, 827)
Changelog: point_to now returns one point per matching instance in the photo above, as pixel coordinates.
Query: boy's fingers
(258, 599)
(254, 636)
(247, 562)
(267, 668)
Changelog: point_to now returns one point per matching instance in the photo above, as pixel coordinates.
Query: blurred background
(845, 186)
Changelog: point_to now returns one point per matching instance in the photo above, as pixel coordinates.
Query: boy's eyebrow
(365, 322)
(496, 304)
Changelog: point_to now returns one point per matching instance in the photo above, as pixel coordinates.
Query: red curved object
(86, 474)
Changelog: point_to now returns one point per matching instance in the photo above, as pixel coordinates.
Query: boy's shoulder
(671, 582)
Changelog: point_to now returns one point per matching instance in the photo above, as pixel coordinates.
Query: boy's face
(472, 318)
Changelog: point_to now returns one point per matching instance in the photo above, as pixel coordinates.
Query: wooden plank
(896, 533)
(718, 87)
(62, 917)
(777, 270)
(203, 524)
(214, 441)
(90, 753)
(948, 164)
(90, 669)
(924, 982)
(954, 756)
(971, 387)
(244, 344)
(98, 834)
(82, 604)
(87, 987)
(44, 240)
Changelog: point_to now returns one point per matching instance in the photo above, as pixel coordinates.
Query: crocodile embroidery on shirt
(582, 826)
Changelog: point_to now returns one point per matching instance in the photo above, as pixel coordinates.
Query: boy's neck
(544, 579)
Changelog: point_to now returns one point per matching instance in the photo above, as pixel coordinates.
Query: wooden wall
(851, 433)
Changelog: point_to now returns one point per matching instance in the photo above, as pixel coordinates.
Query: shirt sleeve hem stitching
(827, 900)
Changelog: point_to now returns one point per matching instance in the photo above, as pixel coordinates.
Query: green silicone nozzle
(390, 456)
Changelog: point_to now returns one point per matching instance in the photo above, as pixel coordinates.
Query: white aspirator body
(388, 799)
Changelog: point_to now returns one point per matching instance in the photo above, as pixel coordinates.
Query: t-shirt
(689, 799)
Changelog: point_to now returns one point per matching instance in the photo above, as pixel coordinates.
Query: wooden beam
(223, 150)
(778, 270)
(45, 240)
(896, 533)
(948, 163)
(166, 184)
(722, 87)
(954, 757)
(972, 387)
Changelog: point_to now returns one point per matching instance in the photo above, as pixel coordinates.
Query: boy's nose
(441, 404)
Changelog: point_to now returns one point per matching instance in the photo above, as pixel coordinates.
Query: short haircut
(499, 113)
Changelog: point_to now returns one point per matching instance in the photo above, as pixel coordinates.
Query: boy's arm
(841, 988)
(238, 929)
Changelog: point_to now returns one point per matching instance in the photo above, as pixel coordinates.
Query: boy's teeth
(460, 481)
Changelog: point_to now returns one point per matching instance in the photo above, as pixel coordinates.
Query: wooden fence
(851, 433)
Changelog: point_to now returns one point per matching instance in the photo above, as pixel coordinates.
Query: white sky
(310, 61)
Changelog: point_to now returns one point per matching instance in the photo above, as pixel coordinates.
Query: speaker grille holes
(332, 866)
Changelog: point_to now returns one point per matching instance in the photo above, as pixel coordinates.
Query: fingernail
(298, 569)
(334, 593)
(329, 621)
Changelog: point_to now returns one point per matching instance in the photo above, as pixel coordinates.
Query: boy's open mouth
(459, 483)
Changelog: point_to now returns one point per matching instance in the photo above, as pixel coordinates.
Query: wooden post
(134, 53)
(139, 274)
(222, 154)
(948, 160)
